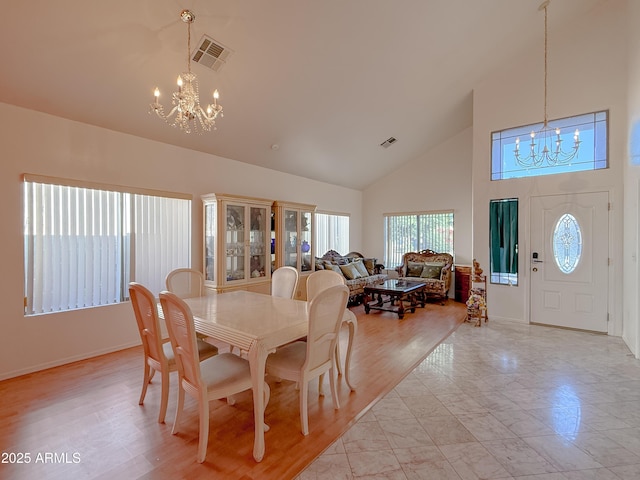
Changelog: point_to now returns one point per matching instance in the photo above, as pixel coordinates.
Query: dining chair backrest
(182, 333)
(145, 309)
(284, 281)
(321, 280)
(325, 318)
(185, 282)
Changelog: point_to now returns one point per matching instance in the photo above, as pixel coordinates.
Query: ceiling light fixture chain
(547, 150)
(187, 114)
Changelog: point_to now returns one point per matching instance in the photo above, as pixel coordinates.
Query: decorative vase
(305, 247)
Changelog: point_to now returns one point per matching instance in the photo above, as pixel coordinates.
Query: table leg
(400, 307)
(352, 322)
(257, 362)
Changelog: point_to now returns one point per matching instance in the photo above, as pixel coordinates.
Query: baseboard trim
(64, 361)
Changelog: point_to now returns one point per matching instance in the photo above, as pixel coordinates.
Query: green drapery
(503, 229)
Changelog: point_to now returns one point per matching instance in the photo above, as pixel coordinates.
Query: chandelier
(546, 144)
(187, 112)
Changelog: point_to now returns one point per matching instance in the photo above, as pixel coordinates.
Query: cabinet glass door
(305, 241)
(235, 254)
(291, 238)
(209, 241)
(257, 242)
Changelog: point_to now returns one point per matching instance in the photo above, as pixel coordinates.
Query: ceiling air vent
(388, 142)
(211, 53)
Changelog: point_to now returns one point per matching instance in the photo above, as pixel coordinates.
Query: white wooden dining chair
(302, 362)
(321, 280)
(221, 376)
(316, 282)
(158, 353)
(186, 282)
(284, 281)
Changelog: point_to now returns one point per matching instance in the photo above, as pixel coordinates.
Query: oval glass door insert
(567, 243)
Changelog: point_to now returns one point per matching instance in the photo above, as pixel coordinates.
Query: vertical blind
(332, 233)
(83, 245)
(417, 231)
(162, 238)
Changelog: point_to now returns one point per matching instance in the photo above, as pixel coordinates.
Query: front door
(569, 260)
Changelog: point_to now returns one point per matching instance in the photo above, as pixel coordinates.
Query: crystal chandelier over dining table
(545, 146)
(187, 114)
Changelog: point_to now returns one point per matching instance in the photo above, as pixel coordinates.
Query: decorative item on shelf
(256, 220)
(187, 114)
(290, 222)
(305, 247)
(477, 271)
(273, 245)
(233, 220)
(476, 302)
(544, 151)
(477, 307)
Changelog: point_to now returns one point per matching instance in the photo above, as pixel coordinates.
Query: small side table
(463, 282)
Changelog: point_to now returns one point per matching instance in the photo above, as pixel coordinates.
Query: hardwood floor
(83, 420)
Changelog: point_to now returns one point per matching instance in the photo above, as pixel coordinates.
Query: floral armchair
(429, 267)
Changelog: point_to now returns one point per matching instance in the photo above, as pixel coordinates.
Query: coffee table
(392, 294)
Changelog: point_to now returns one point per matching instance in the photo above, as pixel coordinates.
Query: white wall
(438, 180)
(36, 143)
(587, 72)
(631, 282)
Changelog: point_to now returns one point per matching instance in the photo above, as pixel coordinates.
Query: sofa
(429, 267)
(357, 271)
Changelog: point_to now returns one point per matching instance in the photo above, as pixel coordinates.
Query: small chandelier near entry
(187, 112)
(546, 145)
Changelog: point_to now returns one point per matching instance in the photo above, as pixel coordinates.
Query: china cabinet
(294, 224)
(237, 243)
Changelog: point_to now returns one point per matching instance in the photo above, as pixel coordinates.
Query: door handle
(537, 261)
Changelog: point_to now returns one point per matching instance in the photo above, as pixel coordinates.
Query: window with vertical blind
(412, 232)
(332, 233)
(84, 242)
(503, 230)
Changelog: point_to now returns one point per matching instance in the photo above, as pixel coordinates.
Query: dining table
(258, 324)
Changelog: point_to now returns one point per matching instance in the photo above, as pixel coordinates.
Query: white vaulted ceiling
(326, 80)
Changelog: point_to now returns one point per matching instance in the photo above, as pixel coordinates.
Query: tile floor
(504, 401)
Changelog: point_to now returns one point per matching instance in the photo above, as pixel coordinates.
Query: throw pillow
(349, 271)
(362, 270)
(414, 269)
(432, 270)
(370, 264)
(335, 268)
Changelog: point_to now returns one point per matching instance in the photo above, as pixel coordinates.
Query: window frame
(329, 244)
(123, 264)
(392, 259)
(598, 123)
(500, 277)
